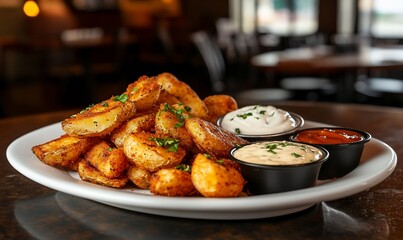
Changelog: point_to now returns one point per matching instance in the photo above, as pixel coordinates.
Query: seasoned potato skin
(145, 122)
(110, 161)
(146, 154)
(144, 92)
(139, 177)
(211, 139)
(89, 173)
(64, 151)
(219, 105)
(100, 119)
(214, 179)
(184, 93)
(167, 123)
(172, 182)
(166, 97)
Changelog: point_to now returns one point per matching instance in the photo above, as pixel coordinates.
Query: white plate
(377, 163)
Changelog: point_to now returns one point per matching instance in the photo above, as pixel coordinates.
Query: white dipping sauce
(278, 153)
(258, 120)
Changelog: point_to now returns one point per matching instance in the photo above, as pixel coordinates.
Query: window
(280, 17)
(381, 18)
(387, 18)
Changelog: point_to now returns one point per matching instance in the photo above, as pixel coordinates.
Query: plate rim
(172, 206)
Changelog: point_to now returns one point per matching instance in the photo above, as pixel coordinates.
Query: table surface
(31, 211)
(326, 59)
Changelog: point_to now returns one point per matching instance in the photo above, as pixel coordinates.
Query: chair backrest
(213, 59)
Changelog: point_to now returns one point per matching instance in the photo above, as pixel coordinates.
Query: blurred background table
(31, 211)
(343, 68)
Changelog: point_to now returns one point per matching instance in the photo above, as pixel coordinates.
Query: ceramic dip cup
(257, 123)
(278, 166)
(345, 147)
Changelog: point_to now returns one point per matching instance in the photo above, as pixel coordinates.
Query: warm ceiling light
(31, 8)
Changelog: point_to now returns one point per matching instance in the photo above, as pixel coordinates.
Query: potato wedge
(64, 151)
(184, 93)
(219, 105)
(89, 173)
(110, 161)
(170, 121)
(166, 97)
(137, 124)
(211, 139)
(100, 119)
(144, 92)
(140, 177)
(172, 182)
(214, 179)
(152, 152)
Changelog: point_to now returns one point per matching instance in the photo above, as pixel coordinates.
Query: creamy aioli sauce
(278, 153)
(258, 120)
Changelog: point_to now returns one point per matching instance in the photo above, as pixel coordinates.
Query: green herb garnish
(296, 155)
(178, 113)
(245, 115)
(121, 98)
(183, 167)
(171, 144)
(271, 148)
(220, 161)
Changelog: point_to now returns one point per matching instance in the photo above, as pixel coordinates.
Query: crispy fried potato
(172, 182)
(212, 139)
(142, 150)
(110, 161)
(219, 105)
(170, 121)
(64, 151)
(100, 119)
(144, 92)
(214, 179)
(184, 93)
(89, 173)
(137, 124)
(140, 177)
(166, 97)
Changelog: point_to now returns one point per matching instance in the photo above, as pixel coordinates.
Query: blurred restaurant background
(62, 54)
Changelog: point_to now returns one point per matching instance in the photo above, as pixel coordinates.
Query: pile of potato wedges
(157, 135)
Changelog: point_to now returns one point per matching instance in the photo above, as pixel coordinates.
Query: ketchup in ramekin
(328, 136)
(345, 146)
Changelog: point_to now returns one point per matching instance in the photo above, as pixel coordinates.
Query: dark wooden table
(31, 211)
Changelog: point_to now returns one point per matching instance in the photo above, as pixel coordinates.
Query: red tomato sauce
(328, 136)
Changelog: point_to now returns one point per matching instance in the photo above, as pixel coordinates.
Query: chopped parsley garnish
(171, 144)
(263, 112)
(238, 131)
(220, 161)
(245, 115)
(87, 108)
(271, 148)
(207, 155)
(104, 104)
(121, 98)
(188, 109)
(133, 90)
(178, 113)
(183, 167)
(296, 155)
